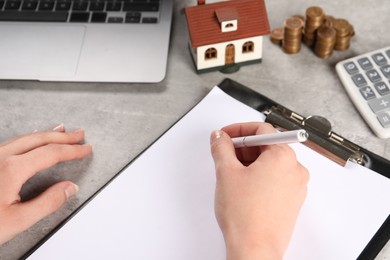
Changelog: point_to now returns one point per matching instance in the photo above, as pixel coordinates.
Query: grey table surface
(121, 120)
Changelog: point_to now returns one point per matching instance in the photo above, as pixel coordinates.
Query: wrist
(250, 249)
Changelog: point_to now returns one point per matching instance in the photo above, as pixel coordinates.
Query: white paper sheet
(162, 205)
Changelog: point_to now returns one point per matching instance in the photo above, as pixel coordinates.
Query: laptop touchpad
(40, 51)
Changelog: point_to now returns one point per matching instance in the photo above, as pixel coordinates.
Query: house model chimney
(201, 2)
(228, 19)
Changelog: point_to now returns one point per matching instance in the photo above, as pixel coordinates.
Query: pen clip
(321, 137)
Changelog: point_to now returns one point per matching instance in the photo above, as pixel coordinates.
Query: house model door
(229, 54)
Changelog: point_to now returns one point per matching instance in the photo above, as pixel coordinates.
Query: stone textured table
(121, 120)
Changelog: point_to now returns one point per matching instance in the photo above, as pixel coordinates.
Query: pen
(294, 136)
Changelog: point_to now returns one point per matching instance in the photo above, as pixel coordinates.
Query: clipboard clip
(321, 137)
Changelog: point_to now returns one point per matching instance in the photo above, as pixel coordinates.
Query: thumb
(29, 212)
(222, 148)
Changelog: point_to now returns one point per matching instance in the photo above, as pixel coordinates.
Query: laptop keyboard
(80, 11)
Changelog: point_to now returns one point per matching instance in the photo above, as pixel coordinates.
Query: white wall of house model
(203, 63)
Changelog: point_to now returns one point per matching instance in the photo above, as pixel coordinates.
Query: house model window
(210, 53)
(247, 47)
(228, 19)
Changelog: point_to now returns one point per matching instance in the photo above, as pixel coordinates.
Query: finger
(265, 128)
(25, 214)
(245, 155)
(28, 164)
(241, 129)
(58, 128)
(222, 150)
(285, 154)
(32, 141)
(250, 154)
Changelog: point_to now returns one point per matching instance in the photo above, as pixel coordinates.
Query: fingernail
(59, 128)
(78, 130)
(71, 190)
(88, 145)
(215, 135)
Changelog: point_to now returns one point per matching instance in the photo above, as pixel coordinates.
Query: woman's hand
(259, 193)
(20, 159)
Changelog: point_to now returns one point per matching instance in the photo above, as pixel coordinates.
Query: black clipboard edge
(378, 164)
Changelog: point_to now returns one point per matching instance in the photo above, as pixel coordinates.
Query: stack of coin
(352, 30)
(326, 39)
(277, 36)
(301, 19)
(343, 34)
(329, 20)
(314, 19)
(323, 32)
(292, 37)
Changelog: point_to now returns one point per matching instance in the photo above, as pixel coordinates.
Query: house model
(226, 34)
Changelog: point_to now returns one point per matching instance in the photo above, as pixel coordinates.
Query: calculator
(366, 78)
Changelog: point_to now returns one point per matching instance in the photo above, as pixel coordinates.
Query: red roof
(226, 14)
(204, 27)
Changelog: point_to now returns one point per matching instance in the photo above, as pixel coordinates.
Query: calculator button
(380, 104)
(386, 70)
(351, 67)
(359, 80)
(382, 88)
(373, 75)
(379, 59)
(384, 119)
(366, 78)
(388, 53)
(367, 93)
(365, 63)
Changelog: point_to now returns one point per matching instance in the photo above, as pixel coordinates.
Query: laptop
(85, 40)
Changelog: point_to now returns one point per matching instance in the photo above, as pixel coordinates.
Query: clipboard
(184, 203)
(321, 139)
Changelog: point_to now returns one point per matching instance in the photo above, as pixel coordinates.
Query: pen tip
(303, 135)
